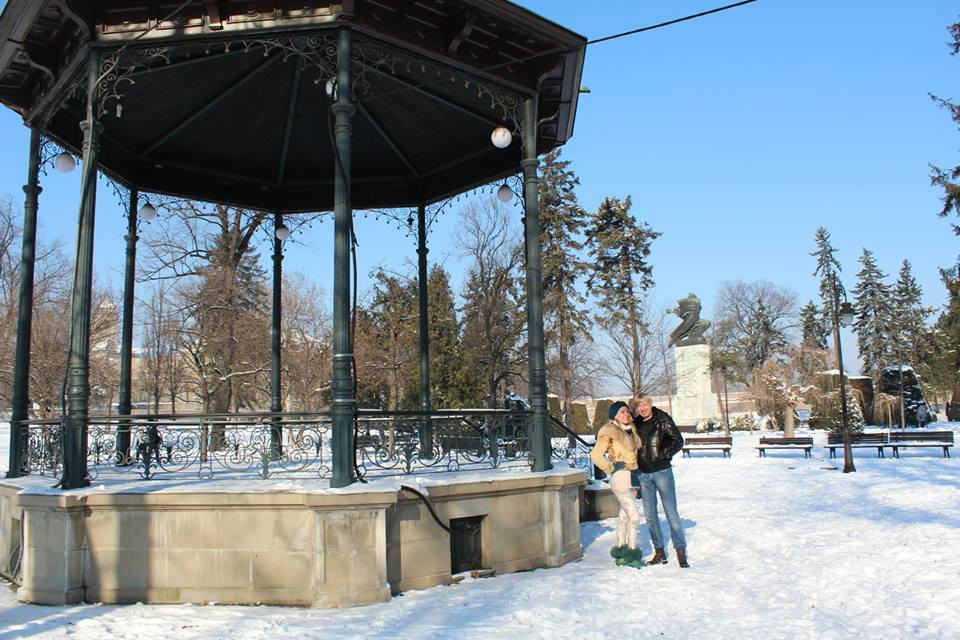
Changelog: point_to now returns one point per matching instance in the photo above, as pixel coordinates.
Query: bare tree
(753, 322)
(163, 369)
(221, 294)
(306, 331)
(50, 292)
(643, 363)
(494, 318)
(582, 374)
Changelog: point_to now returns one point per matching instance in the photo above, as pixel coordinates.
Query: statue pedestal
(695, 400)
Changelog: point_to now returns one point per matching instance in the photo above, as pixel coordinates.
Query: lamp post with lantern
(842, 313)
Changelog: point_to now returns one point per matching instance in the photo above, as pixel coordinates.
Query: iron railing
(297, 445)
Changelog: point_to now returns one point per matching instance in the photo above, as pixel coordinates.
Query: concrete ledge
(598, 503)
(37, 596)
(319, 547)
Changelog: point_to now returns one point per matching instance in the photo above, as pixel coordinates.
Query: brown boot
(682, 558)
(658, 557)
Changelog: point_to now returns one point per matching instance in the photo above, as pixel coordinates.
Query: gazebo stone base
(319, 547)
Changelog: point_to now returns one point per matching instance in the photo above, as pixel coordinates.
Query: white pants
(629, 518)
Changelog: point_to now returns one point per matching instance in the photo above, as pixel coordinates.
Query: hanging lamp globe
(846, 314)
(64, 162)
(148, 212)
(283, 233)
(501, 137)
(504, 193)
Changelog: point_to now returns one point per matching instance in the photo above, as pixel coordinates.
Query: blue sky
(736, 135)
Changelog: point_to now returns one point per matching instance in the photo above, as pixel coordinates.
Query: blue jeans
(650, 485)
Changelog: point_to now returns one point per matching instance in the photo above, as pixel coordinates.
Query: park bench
(905, 439)
(707, 443)
(858, 441)
(806, 444)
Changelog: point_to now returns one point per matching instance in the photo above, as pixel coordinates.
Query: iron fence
(298, 445)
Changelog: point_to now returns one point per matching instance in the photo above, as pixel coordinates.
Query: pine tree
(828, 268)
(946, 344)
(394, 317)
(764, 339)
(444, 341)
(874, 317)
(620, 271)
(226, 333)
(566, 321)
(825, 414)
(813, 330)
(910, 317)
(949, 179)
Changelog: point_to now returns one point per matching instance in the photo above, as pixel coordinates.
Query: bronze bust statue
(691, 327)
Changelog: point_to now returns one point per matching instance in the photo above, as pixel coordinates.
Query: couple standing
(645, 444)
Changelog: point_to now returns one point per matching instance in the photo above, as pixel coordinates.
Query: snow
(780, 547)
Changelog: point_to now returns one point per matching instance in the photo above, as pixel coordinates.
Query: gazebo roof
(227, 100)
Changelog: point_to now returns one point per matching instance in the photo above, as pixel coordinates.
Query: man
(661, 441)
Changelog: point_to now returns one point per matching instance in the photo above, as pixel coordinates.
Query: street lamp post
(842, 314)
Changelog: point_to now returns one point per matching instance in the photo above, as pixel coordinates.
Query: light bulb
(282, 233)
(504, 193)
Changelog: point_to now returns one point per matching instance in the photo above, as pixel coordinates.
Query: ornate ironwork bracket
(117, 70)
(370, 56)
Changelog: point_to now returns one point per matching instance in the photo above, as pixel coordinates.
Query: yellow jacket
(615, 445)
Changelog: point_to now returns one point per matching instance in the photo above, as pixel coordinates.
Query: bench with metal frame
(908, 439)
(858, 441)
(803, 443)
(708, 443)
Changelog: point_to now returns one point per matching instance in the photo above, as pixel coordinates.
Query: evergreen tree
(444, 341)
(226, 308)
(565, 320)
(813, 330)
(828, 268)
(393, 315)
(949, 179)
(874, 318)
(825, 411)
(911, 321)
(945, 365)
(764, 339)
(620, 272)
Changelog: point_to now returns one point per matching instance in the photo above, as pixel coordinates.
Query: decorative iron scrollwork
(240, 446)
(370, 56)
(117, 69)
(317, 52)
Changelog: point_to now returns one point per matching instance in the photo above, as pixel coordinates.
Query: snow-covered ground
(780, 547)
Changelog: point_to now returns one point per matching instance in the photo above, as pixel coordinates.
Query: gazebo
(285, 107)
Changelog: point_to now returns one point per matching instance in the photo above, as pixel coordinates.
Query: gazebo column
(124, 404)
(540, 432)
(276, 398)
(344, 403)
(426, 428)
(20, 404)
(78, 369)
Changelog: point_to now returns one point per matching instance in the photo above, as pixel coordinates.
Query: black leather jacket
(661, 441)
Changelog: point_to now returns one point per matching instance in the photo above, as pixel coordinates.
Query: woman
(616, 454)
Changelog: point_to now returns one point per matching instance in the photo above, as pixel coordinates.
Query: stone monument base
(695, 400)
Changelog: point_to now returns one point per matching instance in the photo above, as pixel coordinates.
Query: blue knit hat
(615, 408)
